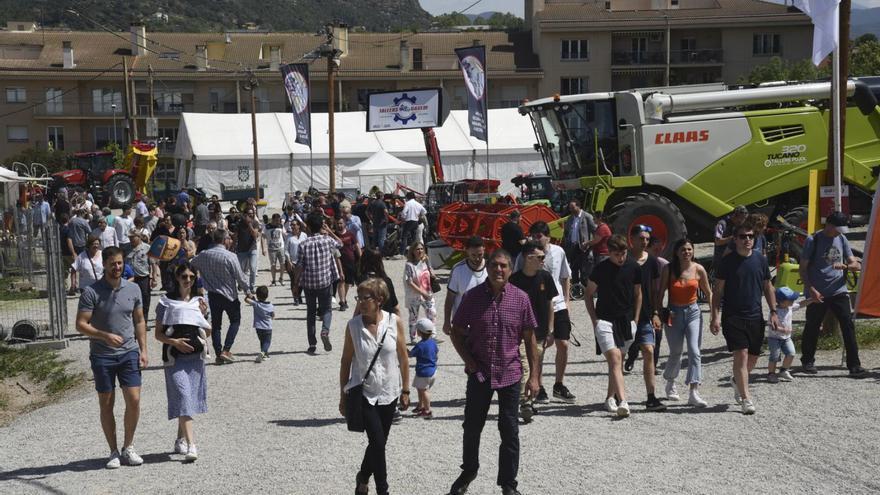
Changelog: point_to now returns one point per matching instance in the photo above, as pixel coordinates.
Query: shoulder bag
(354, 407)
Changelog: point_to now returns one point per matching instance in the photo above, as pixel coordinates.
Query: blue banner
(296, 84)
(472, 61)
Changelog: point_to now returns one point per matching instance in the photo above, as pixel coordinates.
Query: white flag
(826, 25)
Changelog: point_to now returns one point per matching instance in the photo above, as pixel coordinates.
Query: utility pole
(332, 64)
(251, 85)
(127, 109)
(134, 109)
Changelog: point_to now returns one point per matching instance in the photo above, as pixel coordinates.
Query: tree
(865, 58)
(452, 19)
(54, 160)
(507, 22)
(867, 37)
(777, 69)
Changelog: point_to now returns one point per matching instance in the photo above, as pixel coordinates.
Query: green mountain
(219, 15)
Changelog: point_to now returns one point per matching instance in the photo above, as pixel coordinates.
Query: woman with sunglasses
(183, 329)
(417, 281)
(88, 266)
(375, 331)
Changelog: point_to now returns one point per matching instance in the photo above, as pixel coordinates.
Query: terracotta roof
(699, 11)
(369, 53)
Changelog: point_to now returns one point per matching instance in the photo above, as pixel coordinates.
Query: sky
(437, 7)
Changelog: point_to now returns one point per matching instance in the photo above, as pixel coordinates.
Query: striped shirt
(494, 327)
(318, 264)
(220, 271)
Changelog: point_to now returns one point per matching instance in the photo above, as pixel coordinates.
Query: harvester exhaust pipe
(659, 104)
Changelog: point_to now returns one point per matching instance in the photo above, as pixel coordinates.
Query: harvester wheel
(797, 217)
(120, 190)
(651, 209)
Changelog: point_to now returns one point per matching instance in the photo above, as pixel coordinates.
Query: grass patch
(867, 336)
(40, 365)
(11, 291)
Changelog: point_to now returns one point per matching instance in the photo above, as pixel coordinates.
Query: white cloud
(437, 7)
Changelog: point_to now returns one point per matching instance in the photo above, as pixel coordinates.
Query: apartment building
(621, 44)
(66, 89)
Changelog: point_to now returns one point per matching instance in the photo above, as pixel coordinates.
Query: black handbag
(354, 406)
(435, 284)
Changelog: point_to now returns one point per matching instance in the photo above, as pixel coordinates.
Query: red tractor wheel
(653, 210)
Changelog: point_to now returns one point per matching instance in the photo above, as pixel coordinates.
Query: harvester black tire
(798, 218)
(622, 215)
(120, 190)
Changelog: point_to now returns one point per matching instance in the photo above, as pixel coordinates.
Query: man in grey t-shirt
(824, 261)
(111, 314)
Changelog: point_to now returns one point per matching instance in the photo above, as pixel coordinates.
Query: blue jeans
(687, 323)
(379, 234)
(322, 300)
(478, 397)
(219, 304)
(265, 337)
(248, 262)
(778, 347)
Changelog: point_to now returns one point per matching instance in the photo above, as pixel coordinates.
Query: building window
(766, 44)
(573, 85)
(575, 50)
(673, 3)
(170, 102)
(167, 139)
(688, 44)
(417, 59)
(54, 101)
(105, 135)
(104, 100)
(17, 133)
(16, 95)
(55, 137)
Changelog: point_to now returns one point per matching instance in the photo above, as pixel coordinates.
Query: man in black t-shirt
(538, 284)
(512, 236)
(378, 213)
(648, 324)
(740, 280)
(617, 282)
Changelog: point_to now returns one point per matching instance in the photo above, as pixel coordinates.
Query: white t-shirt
(122, 226)
(293, 245)
(556, 263)
(412, 210)
(106, 236)
(463, 279)
(88, 272)
(382, 385)
(785, 320)
(274, 237)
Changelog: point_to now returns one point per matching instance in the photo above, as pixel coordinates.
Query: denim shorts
(778, 347)
(126, 367)
(644, 334)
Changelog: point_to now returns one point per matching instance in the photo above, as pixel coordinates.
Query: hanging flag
(826, 25)
(868, 298)
(296, 84)
(472, 61)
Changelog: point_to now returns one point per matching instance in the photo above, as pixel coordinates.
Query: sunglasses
(537, 256)
(186, 276)
(745, 236)
(645, 228)
(363, 298)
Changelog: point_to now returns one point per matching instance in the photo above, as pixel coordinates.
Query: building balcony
(676, 57)
(71, 110)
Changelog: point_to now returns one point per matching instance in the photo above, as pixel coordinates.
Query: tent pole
(311, 170)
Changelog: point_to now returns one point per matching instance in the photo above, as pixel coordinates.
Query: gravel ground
(274, 427)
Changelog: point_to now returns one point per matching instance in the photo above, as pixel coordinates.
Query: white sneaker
(192, 453)
(623, 409)
(748, 407)
(180, 446)
(695, 400)
(113, 463)
(611, 405)
(259, 358)
(130, 457)
(671, 391)
(785, 376)
(736, 397)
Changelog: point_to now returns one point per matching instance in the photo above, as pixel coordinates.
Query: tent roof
(228, 136)
(382, 163)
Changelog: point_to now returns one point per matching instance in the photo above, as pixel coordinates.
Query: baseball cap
(474, 242)
(740, 210)
(786, 294)
(425, 325)
(839, 221)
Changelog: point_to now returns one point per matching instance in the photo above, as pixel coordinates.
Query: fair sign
(409, 109)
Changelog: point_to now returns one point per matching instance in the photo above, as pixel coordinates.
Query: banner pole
(311, 170)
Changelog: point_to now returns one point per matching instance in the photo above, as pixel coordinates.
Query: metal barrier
(33, 300)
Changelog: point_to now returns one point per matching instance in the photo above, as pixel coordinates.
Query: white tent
(215, 152)
(382, 166)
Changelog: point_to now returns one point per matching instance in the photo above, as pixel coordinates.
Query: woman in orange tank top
(683, 278)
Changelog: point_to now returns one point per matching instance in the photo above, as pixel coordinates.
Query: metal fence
(33, 300)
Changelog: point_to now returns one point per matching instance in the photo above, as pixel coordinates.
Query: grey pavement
(274, 427)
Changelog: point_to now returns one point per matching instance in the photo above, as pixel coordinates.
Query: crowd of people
(502, 312)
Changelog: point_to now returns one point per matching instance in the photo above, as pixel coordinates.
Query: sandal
(427, 414)
(417, 411)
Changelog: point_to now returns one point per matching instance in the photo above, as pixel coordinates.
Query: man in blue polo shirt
(111, 314)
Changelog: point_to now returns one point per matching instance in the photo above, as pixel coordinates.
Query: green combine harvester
(680, 158)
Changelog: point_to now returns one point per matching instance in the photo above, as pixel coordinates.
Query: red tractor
(96, 172)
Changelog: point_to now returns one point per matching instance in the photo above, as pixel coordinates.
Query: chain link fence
(33, 300)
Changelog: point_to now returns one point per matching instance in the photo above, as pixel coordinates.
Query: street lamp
(113, 106)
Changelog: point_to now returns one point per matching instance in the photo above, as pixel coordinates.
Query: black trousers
(840, 306)
(144, 284)
(478, 399)
(580, 262)
(408, 235)
(377, 425)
